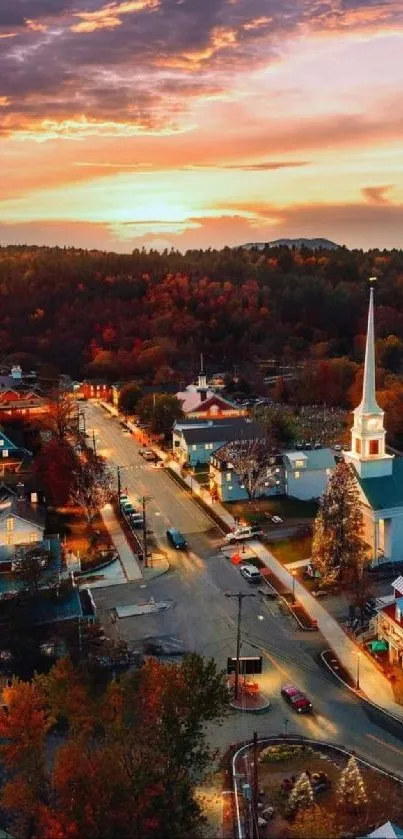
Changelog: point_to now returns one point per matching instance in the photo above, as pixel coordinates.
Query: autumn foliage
(130, 759)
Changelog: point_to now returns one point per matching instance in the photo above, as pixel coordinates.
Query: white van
(243, 533)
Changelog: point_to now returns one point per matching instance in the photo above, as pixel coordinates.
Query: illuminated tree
(253, 463)
(338, 548)
(92, 484)
(301, 796)
(351, 788)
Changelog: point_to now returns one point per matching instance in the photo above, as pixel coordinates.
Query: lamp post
(357, 678)
(294, 573)
(239, 596)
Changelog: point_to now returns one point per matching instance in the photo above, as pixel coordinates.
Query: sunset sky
(197, 123)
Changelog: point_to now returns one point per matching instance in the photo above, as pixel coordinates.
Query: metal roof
(386, 492)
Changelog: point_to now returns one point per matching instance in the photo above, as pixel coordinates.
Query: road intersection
(205, 619)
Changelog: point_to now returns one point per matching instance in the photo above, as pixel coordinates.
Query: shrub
(284, 751)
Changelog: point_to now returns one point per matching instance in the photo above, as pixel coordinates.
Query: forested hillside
(149, 314)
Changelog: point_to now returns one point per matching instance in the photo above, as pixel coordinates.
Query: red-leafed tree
(129, 761)
(54, 466)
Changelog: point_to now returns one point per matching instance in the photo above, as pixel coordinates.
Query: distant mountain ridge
(312, 244)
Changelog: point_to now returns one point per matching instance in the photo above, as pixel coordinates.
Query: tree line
(150, 314)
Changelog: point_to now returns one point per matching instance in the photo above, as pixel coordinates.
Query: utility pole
(145, 546)
(240, 596)
(255, 789)
(94, 441)
(119, 488)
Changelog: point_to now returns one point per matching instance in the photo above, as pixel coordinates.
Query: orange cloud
(257, 23)
(35, 25)
(109, 16)
(376, 194)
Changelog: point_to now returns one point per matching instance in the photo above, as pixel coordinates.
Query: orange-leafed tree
(130, 756)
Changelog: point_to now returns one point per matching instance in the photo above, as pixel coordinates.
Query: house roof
(398, 584)
(315, 459)
(15, 507)
(223, 432)
(385, 492)
(389, 830)
(191, 400)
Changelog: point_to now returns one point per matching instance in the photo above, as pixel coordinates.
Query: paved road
(205, 619)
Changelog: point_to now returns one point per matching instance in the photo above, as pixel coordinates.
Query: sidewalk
(373, 685)
(376, 687)
(128, 561)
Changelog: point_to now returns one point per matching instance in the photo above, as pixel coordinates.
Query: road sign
(248, 665)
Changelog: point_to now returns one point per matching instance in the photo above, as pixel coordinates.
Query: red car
(298, 701)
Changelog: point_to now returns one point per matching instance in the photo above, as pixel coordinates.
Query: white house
(379, 474)
(300, 474)
(20, 524)
(307, 472)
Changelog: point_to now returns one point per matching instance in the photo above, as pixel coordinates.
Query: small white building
(20, 523)
(307, 472)
(379, 474)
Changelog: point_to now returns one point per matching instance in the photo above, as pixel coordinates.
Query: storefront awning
(379, 646)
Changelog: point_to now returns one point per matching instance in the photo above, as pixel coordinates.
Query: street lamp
(294, 574)
(357, 678)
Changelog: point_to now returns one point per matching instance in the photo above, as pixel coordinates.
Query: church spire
(368, 453)
(368, 404)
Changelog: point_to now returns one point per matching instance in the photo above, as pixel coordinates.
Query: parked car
(136, 520)
(240, 534)
(164, 645)
(149, 455)
(296, 699)
(277, 520)
(176, 539)
(251, 574)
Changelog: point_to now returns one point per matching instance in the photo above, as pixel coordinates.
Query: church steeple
(368, 433)
(368, 402)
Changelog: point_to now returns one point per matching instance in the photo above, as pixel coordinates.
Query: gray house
(194, 442)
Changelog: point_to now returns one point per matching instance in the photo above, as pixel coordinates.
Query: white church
(379, 475)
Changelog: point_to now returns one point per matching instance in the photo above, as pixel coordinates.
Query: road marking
(383, 743)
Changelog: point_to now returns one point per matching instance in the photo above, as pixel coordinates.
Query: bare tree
(92, 484)
(30, 568)
(254, 464)
(62, 415)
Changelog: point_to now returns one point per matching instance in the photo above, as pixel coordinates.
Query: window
(9, 538)
(194, 448)
(358, 446)
(5, 452)
(33, 537)
(34, 497)
(297, 475)
(300, 464)
(374, 446)
(208, 446)
(10, 524)
(229, 476)
(1, 442)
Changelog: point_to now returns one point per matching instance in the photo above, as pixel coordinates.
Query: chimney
(16, 372)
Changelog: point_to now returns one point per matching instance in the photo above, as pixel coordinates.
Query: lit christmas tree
(351, 787)
(301, 795)
(338, 548)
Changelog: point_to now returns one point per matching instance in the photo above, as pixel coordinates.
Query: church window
(358, 446)
(374, 446)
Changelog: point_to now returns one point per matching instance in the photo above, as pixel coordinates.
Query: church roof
(387, 491)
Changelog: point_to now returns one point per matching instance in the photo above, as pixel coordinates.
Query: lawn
(292, 510)
(384, 797)
(292, 549)
(87, 540)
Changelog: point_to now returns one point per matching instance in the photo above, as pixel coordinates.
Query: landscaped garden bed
(291, 510)
(353, 807)
(90, 541)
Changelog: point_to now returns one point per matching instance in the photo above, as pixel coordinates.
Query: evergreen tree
(351, 787)
(301, 795)
(338, 548)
